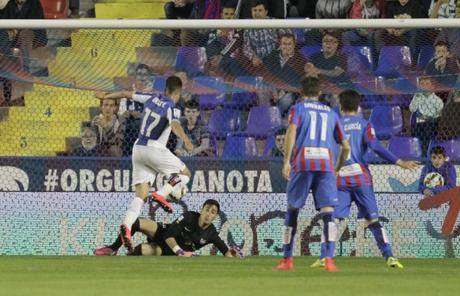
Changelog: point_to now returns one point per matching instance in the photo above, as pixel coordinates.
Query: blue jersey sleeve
(172, 114)
(450, 180)
(373, 143)
(339, 134)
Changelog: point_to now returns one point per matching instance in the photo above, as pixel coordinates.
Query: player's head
(438, 156)
(228, 10)
(109, 107)
(191, 111)
(349, 101)
(309, 87)
(259, 9)
(209, 211)
(89, 135)
(173, 88)
(280, 136)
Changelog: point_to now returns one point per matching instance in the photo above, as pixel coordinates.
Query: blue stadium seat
(359, 60)
(191, 60)
(211, 101)
(263, 121)
(245, 91)
(394, 61)
(387, 121)
(159, 84)
(212, 91)
(406, 147)
(424, 57)
(308, 50)
(452, 148)
(224, 121)
(240, 146)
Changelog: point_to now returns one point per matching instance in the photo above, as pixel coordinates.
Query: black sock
(118, 243)
(137, 250)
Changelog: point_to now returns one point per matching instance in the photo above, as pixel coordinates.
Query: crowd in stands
(281, 57)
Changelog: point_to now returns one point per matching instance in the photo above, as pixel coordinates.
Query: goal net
(65, 166)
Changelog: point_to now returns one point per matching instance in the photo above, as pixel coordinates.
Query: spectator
(195, 129)
(26, 39)
(278, 150)
(88, 146)
(427, 107)
(449, 123)
(442, 65)
(301, 8)
(131, 110)
(178, 9)
(329, 63)
(336, 9)
(275, 8)
(111, 128)
(442, 9)
(74, 7)
(186, 85)
(285, 63)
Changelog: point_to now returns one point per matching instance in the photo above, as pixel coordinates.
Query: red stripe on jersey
(366, 175)
(312, 165)
(348, 181)
(331, 163)
(370, 136)
(291, 115)
(294, 162)
(339, 182)
(338, 130)
(322, 165)
(302, 159)
(358, 180)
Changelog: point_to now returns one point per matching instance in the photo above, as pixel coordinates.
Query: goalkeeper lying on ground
(187, 234)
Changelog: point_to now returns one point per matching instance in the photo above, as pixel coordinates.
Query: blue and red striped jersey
(361, 135)
(318, 130)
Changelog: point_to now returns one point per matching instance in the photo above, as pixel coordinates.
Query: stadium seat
(394, 61)
(269, 144)
(224, 121)
(452, 148)
(263, 121)
(387, 121)
(308, 50)
(245, 91)
(299, 35)
(191, 60)
(370, 101)
(424, 57)
(240, 146)
(406, 147)
(208, 85)
(359, 60)
(159, 84)
(211, 101)
(55, 9)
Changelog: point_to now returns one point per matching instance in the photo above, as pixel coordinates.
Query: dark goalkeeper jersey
(190, 237)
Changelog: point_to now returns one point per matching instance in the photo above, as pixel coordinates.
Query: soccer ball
(177, 194)
(433, 180)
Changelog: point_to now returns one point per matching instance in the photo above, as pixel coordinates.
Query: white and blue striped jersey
(159, 112)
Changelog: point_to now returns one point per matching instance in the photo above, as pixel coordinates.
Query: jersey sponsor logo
(316, 153)
(180, 219)
(352, 126)
(176, 113)
(350, 170)
(13, 179)
(202, 241)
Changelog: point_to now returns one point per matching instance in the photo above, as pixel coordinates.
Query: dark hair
(280, 132)
(438, 150)
(442, 43)
(173, 83)
(255, 3)
(143, 66)
(229, 4)
(349, 100)
(191, 104)
(309, 86)
(286, 35)
(212, 202)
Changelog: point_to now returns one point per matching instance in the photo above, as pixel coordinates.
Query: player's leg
(326, 200)
(367, 208)
(147, 250)
(342, 211)
(297, 192)
(168, 164)
(111, 250)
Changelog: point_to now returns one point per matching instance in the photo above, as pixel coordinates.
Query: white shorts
(148, 160)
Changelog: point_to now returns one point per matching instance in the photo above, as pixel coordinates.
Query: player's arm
(177, 129)
(339, 136)
(291, 134)
(421, 186)
(174, 230)
(337, 71)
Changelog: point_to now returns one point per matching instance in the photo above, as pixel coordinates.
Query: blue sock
(323, 248)
(290, 228)
(329, 234)
(381, 239)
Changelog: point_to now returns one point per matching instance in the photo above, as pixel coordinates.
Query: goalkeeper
(187, 234)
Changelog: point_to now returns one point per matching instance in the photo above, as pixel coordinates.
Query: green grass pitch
(222, 276)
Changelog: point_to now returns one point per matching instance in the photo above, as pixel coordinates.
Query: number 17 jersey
(318, 130)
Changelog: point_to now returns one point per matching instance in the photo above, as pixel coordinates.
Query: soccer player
(187, 234)
(313, 128)
(150, 155)
(354, 180)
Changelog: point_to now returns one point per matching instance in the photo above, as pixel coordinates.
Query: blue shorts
(322, 184)
(363, 197)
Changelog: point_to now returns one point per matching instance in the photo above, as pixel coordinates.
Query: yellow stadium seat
(129, 10)
(49, 113)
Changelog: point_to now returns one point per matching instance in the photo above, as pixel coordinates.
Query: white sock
(168, 188)
(133, 212)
